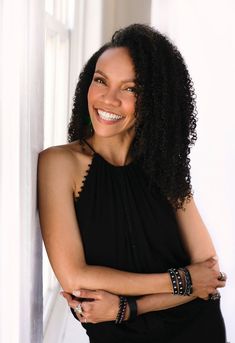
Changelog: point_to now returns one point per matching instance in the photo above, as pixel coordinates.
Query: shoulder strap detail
(88, 145)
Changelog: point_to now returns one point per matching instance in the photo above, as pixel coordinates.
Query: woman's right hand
(205, 278)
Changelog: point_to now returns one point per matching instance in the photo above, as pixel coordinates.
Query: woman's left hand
(98, 306)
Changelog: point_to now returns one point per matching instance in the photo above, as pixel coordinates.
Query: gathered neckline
(113, 165)
(94, 157)
(107, 162)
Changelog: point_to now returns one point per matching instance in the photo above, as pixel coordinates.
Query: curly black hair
(166, 109)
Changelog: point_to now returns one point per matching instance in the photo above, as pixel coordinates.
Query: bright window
(58, 25)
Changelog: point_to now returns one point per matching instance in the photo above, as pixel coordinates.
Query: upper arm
(57, 214)
(195, 235)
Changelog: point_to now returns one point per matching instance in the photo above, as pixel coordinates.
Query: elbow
(202, 257)
(75, 281)
(207, 257)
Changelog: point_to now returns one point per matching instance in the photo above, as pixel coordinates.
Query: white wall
(204, 33)
(21, 118)
(118, 14)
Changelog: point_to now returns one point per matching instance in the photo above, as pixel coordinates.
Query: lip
(103, 121)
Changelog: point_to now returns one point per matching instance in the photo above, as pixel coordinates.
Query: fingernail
(76, 293)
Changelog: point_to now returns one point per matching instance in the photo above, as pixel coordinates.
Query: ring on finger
(78, 309)
(222, 276)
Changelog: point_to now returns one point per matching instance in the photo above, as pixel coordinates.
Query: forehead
(118, 62)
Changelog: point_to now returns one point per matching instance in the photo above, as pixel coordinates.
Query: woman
(117, 212)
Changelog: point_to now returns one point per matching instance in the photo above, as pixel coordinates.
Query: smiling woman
(112, 98)
(118, 218)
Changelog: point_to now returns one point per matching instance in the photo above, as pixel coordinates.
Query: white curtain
(21, 138)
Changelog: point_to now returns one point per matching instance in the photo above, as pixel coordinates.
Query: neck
(114, 149)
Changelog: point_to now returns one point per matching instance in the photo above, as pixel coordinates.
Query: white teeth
(108, 116)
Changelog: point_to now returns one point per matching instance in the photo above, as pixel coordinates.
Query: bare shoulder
(60, 153)
(66, 163)
(71, 155)
(189, 207)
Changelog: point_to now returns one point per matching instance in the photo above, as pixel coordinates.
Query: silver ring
(78, 309)
(222, 277)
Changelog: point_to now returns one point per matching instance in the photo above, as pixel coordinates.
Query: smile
(109, 116)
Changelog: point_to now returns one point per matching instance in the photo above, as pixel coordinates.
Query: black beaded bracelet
(180, 282)
(122, 310)
(177, 281)
(133, 307)
(173, 280)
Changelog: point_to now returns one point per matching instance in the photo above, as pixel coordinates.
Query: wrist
(167, 283)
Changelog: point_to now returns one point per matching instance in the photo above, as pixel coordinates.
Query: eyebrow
(102, 73)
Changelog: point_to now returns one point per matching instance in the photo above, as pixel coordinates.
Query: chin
(105, 133)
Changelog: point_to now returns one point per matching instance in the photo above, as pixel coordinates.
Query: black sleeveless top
(126, 227)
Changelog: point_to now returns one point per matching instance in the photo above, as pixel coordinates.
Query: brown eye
(131, 89)
(99, 80)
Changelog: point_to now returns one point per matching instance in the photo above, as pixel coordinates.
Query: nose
(111, 97)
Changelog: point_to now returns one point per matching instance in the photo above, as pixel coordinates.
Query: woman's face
(111, 95)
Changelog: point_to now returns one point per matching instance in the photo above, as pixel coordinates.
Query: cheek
(93, 92)
(130, 105)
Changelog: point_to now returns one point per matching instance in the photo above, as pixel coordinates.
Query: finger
(83, 319)
(65, 293)
(78, 309)
(88, 306)
(67, 296)
(86, 293)
(74, 303)
(221, 284)
(79, 316)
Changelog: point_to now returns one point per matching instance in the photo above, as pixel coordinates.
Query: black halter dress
(124, 226)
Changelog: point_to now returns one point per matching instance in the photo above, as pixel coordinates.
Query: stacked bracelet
(179, 286)
(177, 281)
(133, 307)
(188, 281)
(122, 310)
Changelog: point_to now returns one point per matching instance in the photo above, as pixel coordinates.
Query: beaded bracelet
(177, 281)
(122, 310)
(173, 280)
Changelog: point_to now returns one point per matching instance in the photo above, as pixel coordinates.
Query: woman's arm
(199, 246)
(196, 238)
(56, 185)
(157, 302)
(104, 305)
